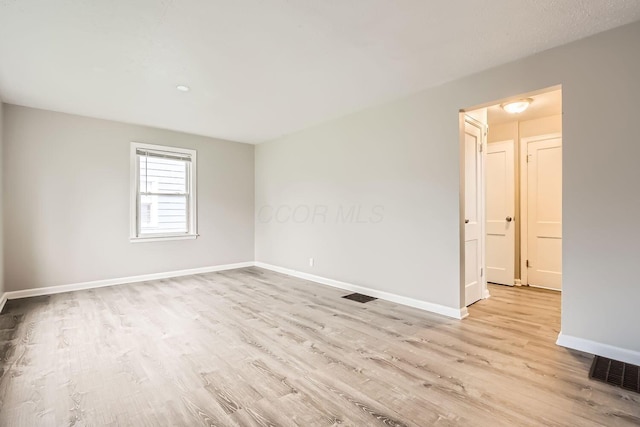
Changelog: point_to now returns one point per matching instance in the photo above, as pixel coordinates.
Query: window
(163, 196)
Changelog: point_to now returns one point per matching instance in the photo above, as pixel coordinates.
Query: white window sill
(162, 238)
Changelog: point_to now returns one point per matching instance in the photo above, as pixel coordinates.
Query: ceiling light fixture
(183, 88)
(517, 106)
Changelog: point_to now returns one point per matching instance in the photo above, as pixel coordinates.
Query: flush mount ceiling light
(517, 106)
(183, 88)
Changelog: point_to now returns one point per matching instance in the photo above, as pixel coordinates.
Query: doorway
(514, 180)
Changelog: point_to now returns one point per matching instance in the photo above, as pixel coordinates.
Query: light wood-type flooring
(251, 347)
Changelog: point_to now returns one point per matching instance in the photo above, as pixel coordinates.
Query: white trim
(399, 299)
(524, 202)
(461, 207)
(544, 287)
(3, 301)
(455, 313)
(50, 290)
(162, 238)
(192, 205)
(133, 192)
(600, 349)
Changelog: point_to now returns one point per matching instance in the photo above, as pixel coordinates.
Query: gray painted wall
(405, 157)
(66, 201)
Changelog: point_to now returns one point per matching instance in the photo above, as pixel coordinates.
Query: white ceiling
(259, 69)
(542, 105)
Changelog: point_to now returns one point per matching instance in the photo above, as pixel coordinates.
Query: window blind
(163, 154)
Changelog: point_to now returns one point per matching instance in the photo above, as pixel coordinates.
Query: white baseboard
(456, 313)
(544, 287)
(600, 349)
(411, 302)
(3, 301)
(50, 290)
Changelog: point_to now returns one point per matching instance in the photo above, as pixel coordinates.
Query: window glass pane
(158, 175)
(163, 214)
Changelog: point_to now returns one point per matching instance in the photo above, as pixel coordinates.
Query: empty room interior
(318, 213)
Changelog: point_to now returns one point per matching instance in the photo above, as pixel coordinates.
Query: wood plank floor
(251, 347)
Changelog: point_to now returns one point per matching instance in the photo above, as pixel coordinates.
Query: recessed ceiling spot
(183, 88)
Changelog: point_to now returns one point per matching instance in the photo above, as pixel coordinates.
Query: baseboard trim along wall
(568, 341)
(600, 349)
(3, 301)
(50, 290)
(399, 299)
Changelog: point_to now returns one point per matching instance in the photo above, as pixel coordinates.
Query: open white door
(543, 262)
(500, 212)
(473, 229)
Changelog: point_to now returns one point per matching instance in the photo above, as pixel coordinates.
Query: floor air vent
(616, 373)
(359, 298)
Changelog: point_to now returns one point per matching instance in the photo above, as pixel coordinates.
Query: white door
(544, 213)
(473, 233)
(500, 213)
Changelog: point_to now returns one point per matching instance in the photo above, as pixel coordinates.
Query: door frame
(465, 118)
(524, 201)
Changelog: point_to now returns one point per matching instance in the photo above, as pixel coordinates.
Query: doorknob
(509, 219)
(466, 221)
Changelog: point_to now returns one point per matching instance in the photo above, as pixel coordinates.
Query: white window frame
(192, 217)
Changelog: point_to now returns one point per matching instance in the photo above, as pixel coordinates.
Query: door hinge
(480, 147)
(529, 157)
(482, 272)
(528, 265)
